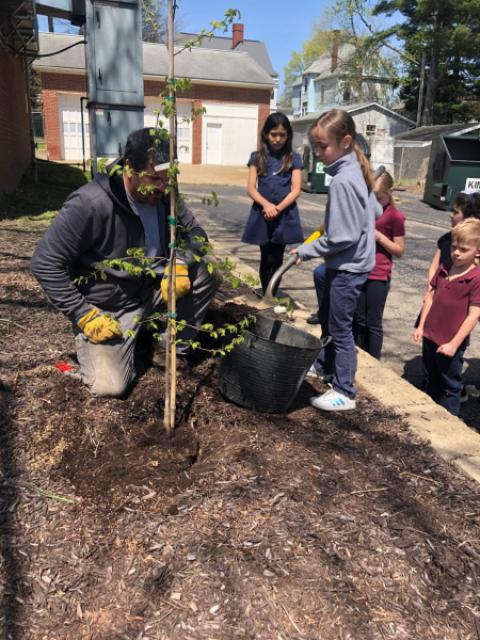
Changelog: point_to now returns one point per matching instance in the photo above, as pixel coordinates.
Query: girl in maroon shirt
(390, 241)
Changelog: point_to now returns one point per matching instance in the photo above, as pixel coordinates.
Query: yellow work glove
(182, 281)
(99, 327)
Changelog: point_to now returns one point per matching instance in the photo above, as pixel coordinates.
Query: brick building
(17, 45)
(233, 83)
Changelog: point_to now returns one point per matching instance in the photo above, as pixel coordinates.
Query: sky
(267, 20)
(283, 25)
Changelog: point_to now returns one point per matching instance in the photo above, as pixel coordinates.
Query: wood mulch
(241, 526)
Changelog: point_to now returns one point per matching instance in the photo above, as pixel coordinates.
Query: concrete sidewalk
(213, 175)
(448, 435)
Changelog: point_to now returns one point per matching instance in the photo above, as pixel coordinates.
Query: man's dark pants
(444, 375)
(342, 289)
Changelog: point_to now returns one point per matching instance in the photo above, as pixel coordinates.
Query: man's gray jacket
(96, 223)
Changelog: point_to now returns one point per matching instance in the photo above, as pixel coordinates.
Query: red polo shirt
(392, 224)
(451, 301)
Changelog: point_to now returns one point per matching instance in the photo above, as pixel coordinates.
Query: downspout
(83, 133)
(34, 167)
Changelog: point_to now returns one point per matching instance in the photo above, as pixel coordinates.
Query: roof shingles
(228, 66)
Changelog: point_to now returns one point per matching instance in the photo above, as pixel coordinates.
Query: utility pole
(421, 89)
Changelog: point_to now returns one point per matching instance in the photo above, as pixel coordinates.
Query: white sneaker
(333, 400)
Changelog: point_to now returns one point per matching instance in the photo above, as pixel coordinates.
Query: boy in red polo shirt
(450, 312)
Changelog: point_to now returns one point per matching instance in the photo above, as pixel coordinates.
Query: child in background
(348, 247)
(450, 312)
(390, 241)
(274, 183)
(466, 205)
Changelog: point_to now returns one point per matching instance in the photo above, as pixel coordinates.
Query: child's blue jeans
(319, 275)
(444, 375)
(339, 301)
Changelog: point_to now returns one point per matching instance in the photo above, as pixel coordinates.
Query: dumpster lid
(462, 149)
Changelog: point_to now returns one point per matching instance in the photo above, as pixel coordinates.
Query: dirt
(240, 526)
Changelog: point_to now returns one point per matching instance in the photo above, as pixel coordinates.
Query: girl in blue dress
(274, 183)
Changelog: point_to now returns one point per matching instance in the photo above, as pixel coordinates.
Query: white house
(376, 123)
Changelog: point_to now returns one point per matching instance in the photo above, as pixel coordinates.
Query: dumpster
(454, 166)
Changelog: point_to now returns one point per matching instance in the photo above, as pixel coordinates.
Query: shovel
(288, 264)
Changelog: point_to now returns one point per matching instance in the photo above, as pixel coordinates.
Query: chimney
(237, 34)
(335, 45)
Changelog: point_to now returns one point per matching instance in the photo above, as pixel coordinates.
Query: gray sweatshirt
(348, 243)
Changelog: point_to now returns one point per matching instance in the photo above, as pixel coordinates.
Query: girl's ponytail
(365, 166)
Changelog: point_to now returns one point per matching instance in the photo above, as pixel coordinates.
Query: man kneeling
(120, 210)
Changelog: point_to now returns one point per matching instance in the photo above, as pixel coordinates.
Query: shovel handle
(288, 264)
(275, 279)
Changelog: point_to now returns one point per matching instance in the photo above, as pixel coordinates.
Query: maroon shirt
(451, 301)
(392, 224)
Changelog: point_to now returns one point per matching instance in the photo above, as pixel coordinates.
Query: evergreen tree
(446, 33)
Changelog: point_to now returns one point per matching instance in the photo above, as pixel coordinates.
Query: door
(238, 133)
(71, 128)
(214, 143)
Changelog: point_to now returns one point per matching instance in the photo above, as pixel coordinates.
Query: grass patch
(41, 200)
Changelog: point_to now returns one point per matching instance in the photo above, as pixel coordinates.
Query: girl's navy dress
(274, 186)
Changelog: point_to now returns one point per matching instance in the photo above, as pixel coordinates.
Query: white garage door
(229, 133)
(71, 128)
(184, 128)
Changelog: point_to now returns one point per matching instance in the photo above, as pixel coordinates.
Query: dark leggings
(271, 259)
(368, 319)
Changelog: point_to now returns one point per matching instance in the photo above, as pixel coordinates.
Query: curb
(449, 436)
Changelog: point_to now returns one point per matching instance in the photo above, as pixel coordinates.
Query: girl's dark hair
(338, 123)
(144, 147)
(468, 203)
(277, 119)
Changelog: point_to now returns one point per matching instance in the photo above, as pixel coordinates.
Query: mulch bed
(242, 525)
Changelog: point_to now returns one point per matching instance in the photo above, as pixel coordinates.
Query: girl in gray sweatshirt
(348, 248)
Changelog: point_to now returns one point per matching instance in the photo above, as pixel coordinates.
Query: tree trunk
(421, 90)
(432, 78)
(171, 360)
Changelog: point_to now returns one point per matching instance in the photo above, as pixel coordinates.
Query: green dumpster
(319, 180)
(454, 166)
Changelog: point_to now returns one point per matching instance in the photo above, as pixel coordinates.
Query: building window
(322, 94)
(305, 84)
(370, 129)
(347, 95)
(304, 108)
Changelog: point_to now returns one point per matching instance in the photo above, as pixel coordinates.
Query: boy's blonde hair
(467, 232)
